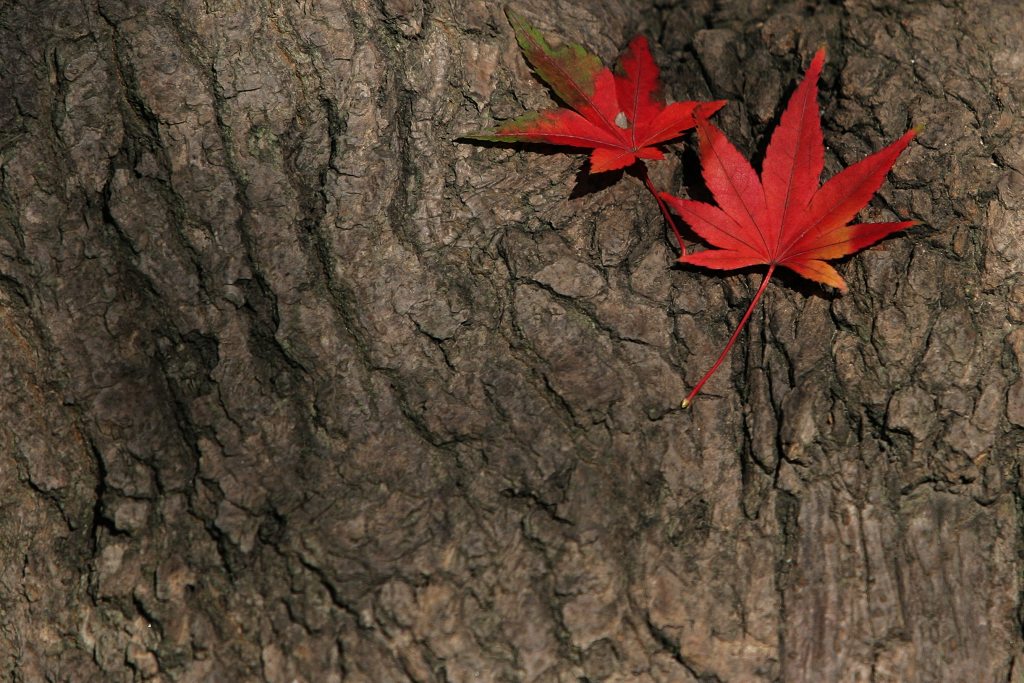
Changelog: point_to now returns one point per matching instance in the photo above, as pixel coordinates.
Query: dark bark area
(295, 388)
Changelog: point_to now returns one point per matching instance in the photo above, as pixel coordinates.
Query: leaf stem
(732, 340)
(664, 209)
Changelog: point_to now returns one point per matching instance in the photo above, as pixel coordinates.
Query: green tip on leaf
(569, 70)
(514, 17)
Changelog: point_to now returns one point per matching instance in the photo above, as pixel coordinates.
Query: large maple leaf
(783, 218)
(621, 117)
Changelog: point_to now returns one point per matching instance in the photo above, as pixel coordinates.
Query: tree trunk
(298, 388)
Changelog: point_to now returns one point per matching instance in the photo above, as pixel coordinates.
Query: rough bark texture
(296, 388)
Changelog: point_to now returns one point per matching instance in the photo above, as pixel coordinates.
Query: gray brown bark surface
(296, 388)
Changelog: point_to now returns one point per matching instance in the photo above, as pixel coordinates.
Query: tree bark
(298, 388)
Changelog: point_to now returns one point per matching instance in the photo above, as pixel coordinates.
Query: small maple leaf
(621, 117)
(784, 218)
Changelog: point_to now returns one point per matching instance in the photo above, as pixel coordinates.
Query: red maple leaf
(784, 218)
(622, 117)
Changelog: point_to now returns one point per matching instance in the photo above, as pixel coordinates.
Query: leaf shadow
(693, 268)
(689, 175)
(783, 276)
(804, 287)
(588, 183)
